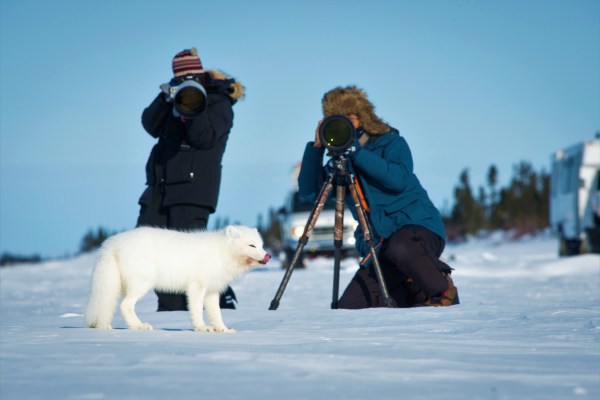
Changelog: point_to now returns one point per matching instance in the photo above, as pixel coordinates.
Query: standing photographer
(191, 118)
(403, 218)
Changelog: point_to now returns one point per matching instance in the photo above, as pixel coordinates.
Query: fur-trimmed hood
(235, 89)
(352, 100)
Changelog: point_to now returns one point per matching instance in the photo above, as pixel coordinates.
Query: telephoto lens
(190, 99)
(336, 133)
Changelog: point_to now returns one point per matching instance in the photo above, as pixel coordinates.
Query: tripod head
(338, 164)
(340, 167)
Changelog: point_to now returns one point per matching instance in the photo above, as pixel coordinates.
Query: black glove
(353, 149)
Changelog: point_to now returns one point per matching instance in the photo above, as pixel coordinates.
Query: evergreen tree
(93, 239)
(544, 200)
(523, 215)
(523, 206)
(480, 217)
(493, 217)
(466, 215)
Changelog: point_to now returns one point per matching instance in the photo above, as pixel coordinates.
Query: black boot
(171, 302)
(228, 299)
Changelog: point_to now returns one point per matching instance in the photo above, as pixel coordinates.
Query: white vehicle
(575, 197)
(294, 216)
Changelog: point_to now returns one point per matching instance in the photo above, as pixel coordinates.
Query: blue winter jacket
(395, 196)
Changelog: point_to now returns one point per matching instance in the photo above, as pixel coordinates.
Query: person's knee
(357, 295)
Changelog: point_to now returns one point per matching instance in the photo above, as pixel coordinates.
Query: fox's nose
(266, 259)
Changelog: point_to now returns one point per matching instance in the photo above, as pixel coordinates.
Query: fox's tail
(104, 292)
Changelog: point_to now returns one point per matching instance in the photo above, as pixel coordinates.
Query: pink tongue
(266, 259)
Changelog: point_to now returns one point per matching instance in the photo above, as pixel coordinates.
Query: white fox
(201, 264)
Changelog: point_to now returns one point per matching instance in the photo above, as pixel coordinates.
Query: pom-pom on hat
(187, 62)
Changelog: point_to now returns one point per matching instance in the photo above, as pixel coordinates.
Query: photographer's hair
(352, 100)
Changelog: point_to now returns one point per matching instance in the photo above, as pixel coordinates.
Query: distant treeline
(7, 259)
(91, 240)
(521, 208)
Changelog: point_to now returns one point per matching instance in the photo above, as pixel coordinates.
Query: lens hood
(190, 99)
(336, 133)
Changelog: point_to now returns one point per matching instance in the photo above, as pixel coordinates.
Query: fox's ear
(232, 232)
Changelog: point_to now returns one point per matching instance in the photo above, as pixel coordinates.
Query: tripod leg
(338, 237)
(310, 224)
(362, 219)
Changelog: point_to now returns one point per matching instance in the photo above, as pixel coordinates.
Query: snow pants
(411, 268)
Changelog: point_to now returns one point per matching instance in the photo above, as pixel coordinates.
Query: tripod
(342, 176)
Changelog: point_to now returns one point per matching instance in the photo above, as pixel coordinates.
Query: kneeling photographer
(402, 217)
(191, 118)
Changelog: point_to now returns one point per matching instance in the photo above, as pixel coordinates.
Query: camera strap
(363, 139)
(361, 196)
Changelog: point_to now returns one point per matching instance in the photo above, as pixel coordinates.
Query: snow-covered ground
(528, 328)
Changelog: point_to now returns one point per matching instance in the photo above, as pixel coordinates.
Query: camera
(337, 133)
(188, 96)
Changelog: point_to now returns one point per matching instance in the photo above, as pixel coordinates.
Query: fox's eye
(252, 246)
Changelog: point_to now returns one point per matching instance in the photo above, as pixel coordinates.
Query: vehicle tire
(569, 247)
(593, 239)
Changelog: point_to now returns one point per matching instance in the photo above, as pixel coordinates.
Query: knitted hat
(187, 62)
(352, 100)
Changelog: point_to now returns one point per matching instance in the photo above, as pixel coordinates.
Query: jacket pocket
(179, 169)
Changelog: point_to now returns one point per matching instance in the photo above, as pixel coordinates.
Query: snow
(528, 328)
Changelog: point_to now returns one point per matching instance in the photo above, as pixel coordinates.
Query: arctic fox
(201, 264)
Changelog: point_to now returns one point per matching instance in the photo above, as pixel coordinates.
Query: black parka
(186, 161)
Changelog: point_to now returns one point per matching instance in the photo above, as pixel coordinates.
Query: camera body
(337, 134)
(188, 96)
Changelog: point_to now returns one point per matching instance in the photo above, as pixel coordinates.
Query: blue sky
(467, 83)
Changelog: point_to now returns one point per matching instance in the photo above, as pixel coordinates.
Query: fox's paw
(225, 330)
(143, 327)
(107, 326)
(205, 328)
